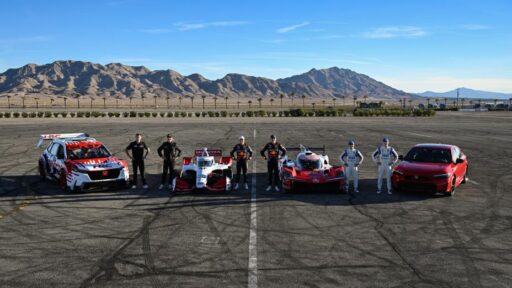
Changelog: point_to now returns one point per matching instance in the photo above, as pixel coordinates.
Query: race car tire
(465, 179)
(451, 193)
(42, 171)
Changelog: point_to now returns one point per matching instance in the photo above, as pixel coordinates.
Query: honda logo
(104, 173)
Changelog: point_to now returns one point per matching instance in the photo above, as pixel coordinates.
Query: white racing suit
(351, 159)
(383, 156)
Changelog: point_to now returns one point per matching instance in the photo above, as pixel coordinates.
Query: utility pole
(457, 97)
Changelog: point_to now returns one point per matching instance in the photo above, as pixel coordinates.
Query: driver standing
(273, 148)
(243, 154)
(351, 159)
(382, 156)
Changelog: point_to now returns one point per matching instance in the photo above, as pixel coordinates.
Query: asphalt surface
(254, 238)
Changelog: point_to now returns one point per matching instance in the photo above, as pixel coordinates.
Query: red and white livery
(78, 162)
(204, 172)
(310, 172)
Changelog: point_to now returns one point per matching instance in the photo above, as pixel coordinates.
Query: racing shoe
(276, 188)
(134, 187)
(268, 188)
(170, 187)
(145, 186)
(246, 186)
(390, 192)
(346, 189)
(356, 190)
(236, 186)
(161, 187)
(378, 191)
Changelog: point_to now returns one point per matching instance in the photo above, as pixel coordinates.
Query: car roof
(435, 145)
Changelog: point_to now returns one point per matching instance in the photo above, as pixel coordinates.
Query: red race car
(431, 167)
(310, 172)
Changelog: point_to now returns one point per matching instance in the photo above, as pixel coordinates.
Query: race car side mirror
(459, 161)
(401, 157)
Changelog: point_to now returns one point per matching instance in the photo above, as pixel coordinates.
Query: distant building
(371, 105)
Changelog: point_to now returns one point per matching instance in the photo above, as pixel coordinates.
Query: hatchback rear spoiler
(303, 148)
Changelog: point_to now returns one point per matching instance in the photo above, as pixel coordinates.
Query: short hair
(169, 135)
(138, 134)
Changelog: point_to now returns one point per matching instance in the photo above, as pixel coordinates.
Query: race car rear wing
(303, 148)
(205, 152)
(43, 137)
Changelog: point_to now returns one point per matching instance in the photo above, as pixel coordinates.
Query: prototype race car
(201, 172)
(78, 162)
(431, 167)
(310, 172)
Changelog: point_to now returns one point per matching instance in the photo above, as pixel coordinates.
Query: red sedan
(431, 167)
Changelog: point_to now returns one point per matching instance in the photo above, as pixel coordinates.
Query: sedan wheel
(452, 188)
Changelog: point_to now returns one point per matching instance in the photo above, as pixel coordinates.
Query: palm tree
(237, 104)
(480, 103)
(131, 98)
(334, 101)
(37, 102)
(343, 97)
(259, 101)
(250, 103)
(104, 102)
(51, 102)
(323, 103)
(401, 101)
(179, 99)
(495, 102)
(428, 102)
(215, 102)
(365, 97)
(445, 102)
(471, 103)
(462, 100)
(65, 102)
(292, 95)
(454, 104)
(203, 97)
(143, 96)
(23, 102)
(167, 98)
(271, 102)
(410, 103)
(303, 101)
(118, 97)
(155, 97)
(92, 99)
(192, 101)
(355, 99)
(226, 101)
(281, 96)
(313, 104)
(78, 100)
(437, 101)
(9, 101)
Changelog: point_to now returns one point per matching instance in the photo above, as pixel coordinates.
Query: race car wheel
(452, 188)
(42, 171)
(465, 179)
(63, 182)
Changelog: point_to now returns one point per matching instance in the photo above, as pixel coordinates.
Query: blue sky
(411, 45)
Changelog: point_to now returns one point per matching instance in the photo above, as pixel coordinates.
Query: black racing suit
(243, 153)
(138, 150)
(169, 151)
(272, 160)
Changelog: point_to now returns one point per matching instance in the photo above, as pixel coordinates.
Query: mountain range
(467, 93)
(68, 78)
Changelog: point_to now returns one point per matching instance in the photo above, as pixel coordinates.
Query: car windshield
(88, 153)
(204, 163)
(429, 155)
(307, 164)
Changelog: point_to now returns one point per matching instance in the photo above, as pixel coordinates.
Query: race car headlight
(397, 172)
(442, 176)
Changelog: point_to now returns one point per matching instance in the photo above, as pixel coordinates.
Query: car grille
(98, 175)
(417, 178)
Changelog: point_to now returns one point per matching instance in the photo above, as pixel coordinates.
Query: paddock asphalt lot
(254, 238)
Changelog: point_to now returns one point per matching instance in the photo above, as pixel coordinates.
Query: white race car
(202, 172)
(78, 162)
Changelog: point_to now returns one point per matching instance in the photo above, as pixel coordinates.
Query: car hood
(423, 168)
(97, 164)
